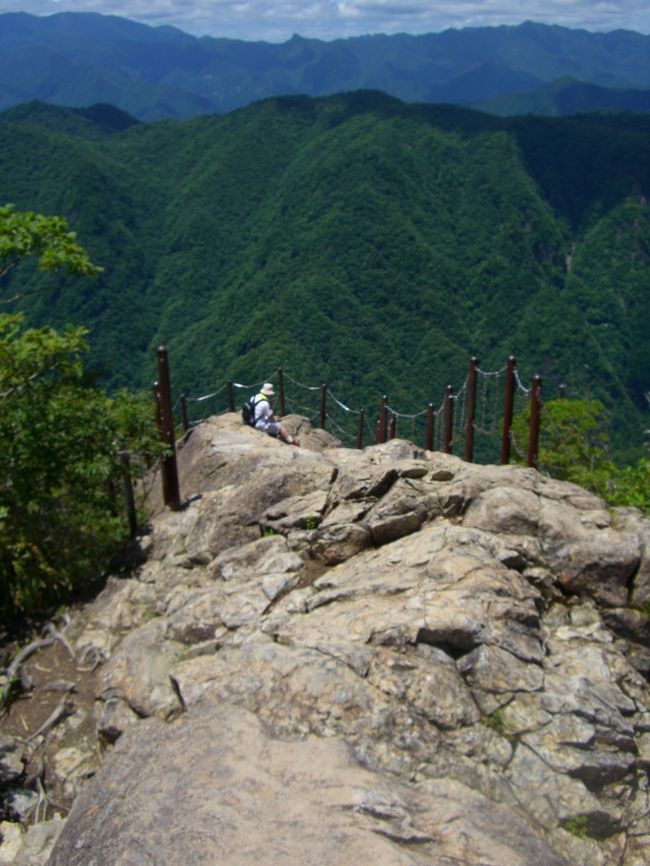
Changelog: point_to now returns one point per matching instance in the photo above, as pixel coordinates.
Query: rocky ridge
(386, 654)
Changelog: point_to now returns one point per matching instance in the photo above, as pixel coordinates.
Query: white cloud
(329, 19)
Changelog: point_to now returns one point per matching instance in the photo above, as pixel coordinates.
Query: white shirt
(263, 412)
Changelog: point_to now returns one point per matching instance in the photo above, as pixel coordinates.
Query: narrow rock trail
(328, 652)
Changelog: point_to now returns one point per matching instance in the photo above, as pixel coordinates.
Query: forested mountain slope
(353, 240)
(77, 59)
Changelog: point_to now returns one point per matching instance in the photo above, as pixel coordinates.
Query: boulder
(248, 798)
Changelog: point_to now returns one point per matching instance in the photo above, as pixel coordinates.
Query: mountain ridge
(80, 58)
(566, 96)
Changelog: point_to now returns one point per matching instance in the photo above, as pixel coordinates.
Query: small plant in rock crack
(495, 722)
(578, 826)
(148, 613)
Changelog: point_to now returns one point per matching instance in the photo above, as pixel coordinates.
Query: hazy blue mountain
(77, 59)
(566, 96)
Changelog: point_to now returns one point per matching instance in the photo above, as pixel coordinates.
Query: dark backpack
(248, 410)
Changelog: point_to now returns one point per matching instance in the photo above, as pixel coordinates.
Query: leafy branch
(24, 234)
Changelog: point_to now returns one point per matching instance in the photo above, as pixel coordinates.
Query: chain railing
(483, 406)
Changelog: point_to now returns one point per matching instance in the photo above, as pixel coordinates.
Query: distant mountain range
(78, 59)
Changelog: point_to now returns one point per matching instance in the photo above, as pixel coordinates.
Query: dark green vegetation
(66, 446)
(352, 240)
(82, 58)
(62, 510)
(29, 234)
(574, 446)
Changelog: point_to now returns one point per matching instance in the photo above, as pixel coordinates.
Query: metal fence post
(429, 436)
(393, 426)
(169, 467)
(323, 406)
(508, 407)
(231, 397)
(362, 418)
(283, 408)
(155, 389)
(184, 418)
(383, 419)
(471, 409)
(449, 418)
(533, 433)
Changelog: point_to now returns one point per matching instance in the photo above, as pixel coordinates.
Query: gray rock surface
(38, 843)
(255, 798)
(387, 656)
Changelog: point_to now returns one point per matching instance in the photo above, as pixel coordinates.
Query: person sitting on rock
(266, 420)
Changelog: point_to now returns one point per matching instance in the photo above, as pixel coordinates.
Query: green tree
(574, 446)
(632, 486)
(24, 234)
(62, 439)
(61, 513)
(574, 439)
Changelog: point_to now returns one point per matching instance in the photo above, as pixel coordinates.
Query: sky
(331, 19)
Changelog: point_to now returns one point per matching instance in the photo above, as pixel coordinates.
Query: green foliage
(575, 446)
(578, 826)
(573, 438)
(27, 233)
(495, 722)
(352, 240)
(630, 486)
(61, 512)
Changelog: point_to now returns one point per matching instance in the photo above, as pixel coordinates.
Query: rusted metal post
(155, 389)
(383, 419)
(429, 440)
(128, 494)
(362, 420)
(533, 432)
(283, 407)
(323, 406)
(169, 466)
(231, 397)
(393, 426)
(378, 430)
(449, 418)
(471, 409)
(185, 420)
(508, 408)
(561, 392)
